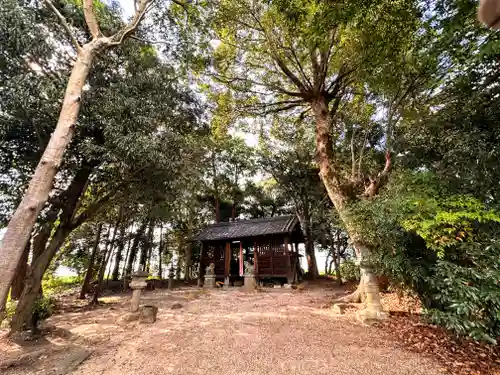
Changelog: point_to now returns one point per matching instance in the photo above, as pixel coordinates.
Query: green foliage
(44, 308)
(10, 309)
(56, 284)
(349, 271)
(468, 291)
(441, 247)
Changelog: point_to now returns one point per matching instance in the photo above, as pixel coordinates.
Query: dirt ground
(275, 331)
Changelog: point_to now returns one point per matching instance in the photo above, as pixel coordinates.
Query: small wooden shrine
(269, 244)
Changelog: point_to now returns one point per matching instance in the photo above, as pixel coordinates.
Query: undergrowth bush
(58, 284)
(441, 247)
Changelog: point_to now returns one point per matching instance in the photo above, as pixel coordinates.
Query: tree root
(354, 297)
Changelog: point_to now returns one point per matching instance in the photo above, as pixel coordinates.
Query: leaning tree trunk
(33, 282)
(22, 222)
(90, 265)
(22, 269)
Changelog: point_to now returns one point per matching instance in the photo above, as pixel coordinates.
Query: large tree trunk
(22, 269)
(22, 222)
(340, 196)
(90, 264)
(312, 266)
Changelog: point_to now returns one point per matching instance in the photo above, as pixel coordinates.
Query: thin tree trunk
(22, 269)
(189, 250)
(113, 238)
(105, 259)
(90, 264)
(326, 264)
(24, 218)
(217, 210)
(125, 262)
(135, 245)
(145, 249)
(160, 252)
(119, 252)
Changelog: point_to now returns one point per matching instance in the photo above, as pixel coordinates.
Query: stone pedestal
(137, 284)
(249, 277)
(209, 282)
(249, 283)
(226, 282)
(148, 314)
(373, 308)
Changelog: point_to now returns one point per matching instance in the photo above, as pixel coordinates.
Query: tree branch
(65, 24)
(91, 19)
(144, 6)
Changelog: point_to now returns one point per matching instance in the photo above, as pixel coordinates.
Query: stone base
(148, 314)
(339, 308)
(249, 284)
(371, 314)
(226, 283)
(209, 282)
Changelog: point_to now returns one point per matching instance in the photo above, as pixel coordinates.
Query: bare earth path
(279, 331)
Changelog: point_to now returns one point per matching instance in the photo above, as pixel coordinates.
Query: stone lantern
(171, 275)
(137, 284)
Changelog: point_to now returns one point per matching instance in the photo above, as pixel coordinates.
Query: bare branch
(91, 19)
(65, 24)
(148, 41)
(118, 38)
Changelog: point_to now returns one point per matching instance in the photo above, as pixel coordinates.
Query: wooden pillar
(255, 258)
(289, 272)
(201, 269)
(227, 263)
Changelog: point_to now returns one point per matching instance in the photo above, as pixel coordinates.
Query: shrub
(469, 292)
(443, 248)
(349, 271)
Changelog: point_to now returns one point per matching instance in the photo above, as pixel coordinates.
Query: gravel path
(228, 332)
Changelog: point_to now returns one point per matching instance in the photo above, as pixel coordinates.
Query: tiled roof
(248, 228)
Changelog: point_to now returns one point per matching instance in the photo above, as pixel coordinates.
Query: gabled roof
(248, 228)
